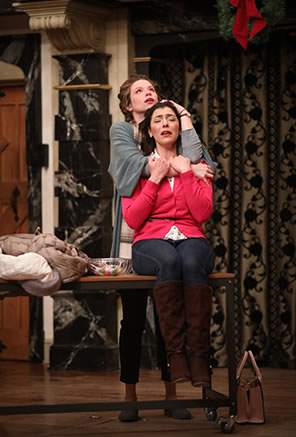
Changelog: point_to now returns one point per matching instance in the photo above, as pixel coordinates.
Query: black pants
(134, 304)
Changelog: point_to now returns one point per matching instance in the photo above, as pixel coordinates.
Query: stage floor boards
(31, 383)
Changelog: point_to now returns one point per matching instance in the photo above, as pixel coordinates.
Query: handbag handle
(255, 367)
(248, 354)
(241, 365)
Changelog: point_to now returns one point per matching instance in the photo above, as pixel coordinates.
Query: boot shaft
(169, 302)
(198, 311)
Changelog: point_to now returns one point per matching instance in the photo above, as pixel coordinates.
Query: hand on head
(179, 108)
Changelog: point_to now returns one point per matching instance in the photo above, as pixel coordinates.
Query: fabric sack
(250, 400)
(70, 262)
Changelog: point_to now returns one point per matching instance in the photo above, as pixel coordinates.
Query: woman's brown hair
(147, 142)
(125, 93)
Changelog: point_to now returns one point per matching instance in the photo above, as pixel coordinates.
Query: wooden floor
(22, 383)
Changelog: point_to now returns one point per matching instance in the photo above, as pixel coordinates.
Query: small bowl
(109, 266)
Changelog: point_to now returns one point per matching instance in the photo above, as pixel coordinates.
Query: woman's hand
(159, 169)
(180, 164)
(185, 117)
(179, 108)
(172, 173)
(202, 171)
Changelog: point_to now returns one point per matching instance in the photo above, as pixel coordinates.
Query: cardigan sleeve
(198, 196)
(127, 162)
(207, 158)
(192, 147)
(137, 208)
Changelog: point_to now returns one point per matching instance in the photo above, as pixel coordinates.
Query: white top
(174, 233)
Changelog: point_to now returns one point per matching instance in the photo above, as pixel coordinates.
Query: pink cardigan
(189, 204)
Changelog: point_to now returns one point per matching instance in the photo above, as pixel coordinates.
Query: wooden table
(211, 399)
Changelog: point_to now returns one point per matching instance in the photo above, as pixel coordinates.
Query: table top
(95, 283)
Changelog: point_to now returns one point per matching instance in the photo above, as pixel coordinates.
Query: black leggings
(134, 304)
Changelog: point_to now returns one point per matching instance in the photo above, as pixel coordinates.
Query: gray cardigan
(128, 164)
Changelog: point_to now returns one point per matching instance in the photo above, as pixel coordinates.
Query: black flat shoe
(178, 413)
(128, 416)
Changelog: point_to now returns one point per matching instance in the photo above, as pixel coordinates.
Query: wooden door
(14, 312)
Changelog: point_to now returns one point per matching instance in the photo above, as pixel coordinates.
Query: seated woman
(169, 241)
(137, 94)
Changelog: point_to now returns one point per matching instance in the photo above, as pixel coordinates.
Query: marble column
(85, 329)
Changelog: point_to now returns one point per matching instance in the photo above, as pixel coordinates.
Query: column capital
(69, 24)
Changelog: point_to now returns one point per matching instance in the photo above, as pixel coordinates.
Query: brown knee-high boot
(198, 310)
(169, 302)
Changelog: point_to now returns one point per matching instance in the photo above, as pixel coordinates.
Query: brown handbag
(250, 401)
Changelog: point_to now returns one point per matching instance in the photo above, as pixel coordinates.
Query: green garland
(272, 10)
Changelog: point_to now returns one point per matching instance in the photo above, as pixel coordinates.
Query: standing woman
(167, 214)
(137, 94)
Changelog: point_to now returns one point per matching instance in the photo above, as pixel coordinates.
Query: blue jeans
(189, 260)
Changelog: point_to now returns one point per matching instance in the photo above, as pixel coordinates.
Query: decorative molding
(82, 87)
(47, 14)
(69, 24)
(11, 82)
(149, 59)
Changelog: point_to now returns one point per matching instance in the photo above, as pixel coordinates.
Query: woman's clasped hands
(159, 169)
(180, 164)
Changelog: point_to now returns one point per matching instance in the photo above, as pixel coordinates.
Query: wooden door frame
(29, 61)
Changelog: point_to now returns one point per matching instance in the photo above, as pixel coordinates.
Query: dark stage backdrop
(243, 106)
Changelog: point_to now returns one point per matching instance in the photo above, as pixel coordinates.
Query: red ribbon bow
(246, 9)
